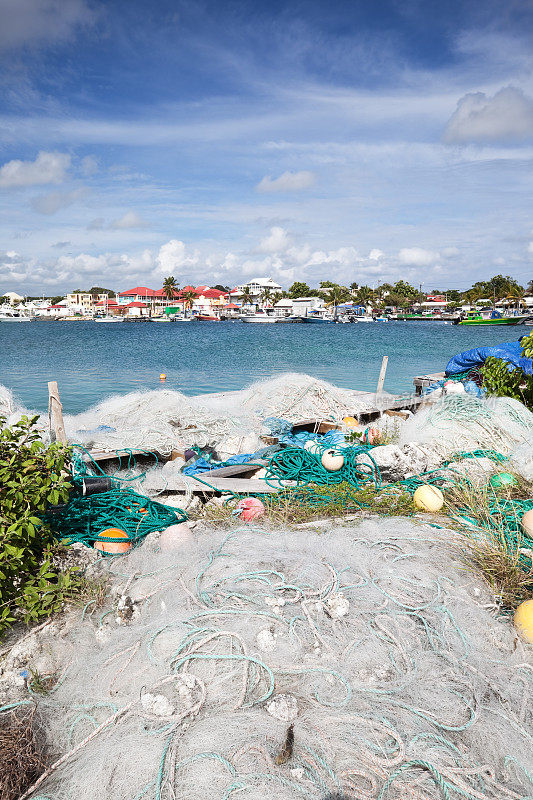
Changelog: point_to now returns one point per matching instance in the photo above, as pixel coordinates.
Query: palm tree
(188, 297)
(266, 295)
(518, 295)
(170, 287)
(364, 295)
(336, 294)
(246, 296)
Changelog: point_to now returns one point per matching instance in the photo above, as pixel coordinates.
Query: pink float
(250, 508)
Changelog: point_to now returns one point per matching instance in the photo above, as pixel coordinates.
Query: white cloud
(47, 168)
(288, 182)
(172, 258)
(530, 248)
(89, 166)
(54, 201)
(375, 254)
(417, 256)
(130, 220)
(276, 242)
(506, 117)
(38, 22)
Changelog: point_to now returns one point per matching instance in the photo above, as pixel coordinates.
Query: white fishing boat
(108, 319)
(160, 319)
(8, 314)
(259, 316)
(363, 318)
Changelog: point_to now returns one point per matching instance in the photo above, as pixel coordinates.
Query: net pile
(159, 420)
(464, 422)
(371, 641)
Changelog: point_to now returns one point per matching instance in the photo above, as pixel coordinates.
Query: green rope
(83, 518)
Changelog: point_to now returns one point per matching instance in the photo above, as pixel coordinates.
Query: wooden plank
(55, 412)
(181, 483)
(383, 370)
(114, 455)
(411, 403)
(315, 426)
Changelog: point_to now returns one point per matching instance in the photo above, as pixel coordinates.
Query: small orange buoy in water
(162, 377)
(105, 546)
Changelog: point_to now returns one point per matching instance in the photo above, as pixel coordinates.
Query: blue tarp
(508, 351)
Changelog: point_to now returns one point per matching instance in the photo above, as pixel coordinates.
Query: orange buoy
(105, 546)
(162, 377)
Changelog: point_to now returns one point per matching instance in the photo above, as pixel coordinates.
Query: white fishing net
(464, 422)
(373, 641)
(165, 420)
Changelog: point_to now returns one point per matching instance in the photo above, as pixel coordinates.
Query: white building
(302, 306)
(256, 288)
(283, 308)
(12, 297)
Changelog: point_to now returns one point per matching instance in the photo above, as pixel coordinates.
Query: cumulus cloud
(417, 256)
(47, 168)
(39, 22)
(54, 201)
(276, 242)
(376, 254)
(173, 257)
(288, 182)
(506, 117)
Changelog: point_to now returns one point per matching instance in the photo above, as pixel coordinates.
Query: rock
(283, 707)
(338, 605)
(390, 460)
(157, 704)
(76, 555)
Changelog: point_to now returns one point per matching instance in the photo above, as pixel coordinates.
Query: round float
(112, 548)
(332, 461)
(428, 498)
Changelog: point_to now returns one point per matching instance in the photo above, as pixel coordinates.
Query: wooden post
(381, 379)
(55, 413)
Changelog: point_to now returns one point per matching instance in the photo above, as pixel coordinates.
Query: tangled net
(464, 422)
(361, 662)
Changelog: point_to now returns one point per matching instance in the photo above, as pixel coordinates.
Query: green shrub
(33, 477)
(500, 381)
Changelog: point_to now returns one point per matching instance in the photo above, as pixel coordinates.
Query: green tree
(299, 289)
(170, 287)
(246, 296)
(96, 290)
(188, 296)
(266, 297)
(364, 295)
(57, 299)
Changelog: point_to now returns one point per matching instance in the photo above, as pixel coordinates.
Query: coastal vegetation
(33, 479)
(501, 381)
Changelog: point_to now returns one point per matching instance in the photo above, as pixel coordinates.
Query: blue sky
(354, 141)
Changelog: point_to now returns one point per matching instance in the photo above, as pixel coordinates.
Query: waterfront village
(263, 298)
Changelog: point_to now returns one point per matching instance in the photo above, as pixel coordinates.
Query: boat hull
(502, 321)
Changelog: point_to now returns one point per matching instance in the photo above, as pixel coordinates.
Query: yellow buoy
(332, 461)
(428, 498)
(162, 377)
(527, 523)
(350, 422)
(523, 620)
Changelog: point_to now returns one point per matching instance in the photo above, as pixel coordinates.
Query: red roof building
(136, 304)
(138, 291)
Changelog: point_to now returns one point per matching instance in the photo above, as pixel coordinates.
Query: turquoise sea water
(91, 361)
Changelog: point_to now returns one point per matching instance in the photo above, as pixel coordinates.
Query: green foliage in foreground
(32, 478)
(500, 381)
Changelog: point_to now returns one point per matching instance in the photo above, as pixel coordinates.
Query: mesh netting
(372, 641)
